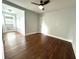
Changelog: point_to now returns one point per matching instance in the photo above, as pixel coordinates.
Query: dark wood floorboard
(37, 46)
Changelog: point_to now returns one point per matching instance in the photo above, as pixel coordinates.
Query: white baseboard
(60, 38)
(31, 33)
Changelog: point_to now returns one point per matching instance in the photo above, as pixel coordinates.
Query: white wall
(60, 23)
(72, 35)
(32, 22)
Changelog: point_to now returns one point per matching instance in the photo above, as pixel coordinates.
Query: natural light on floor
(11, 38)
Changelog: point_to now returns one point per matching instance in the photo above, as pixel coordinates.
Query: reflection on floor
(36, 46)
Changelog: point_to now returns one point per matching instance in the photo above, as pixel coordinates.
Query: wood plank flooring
(36, 46)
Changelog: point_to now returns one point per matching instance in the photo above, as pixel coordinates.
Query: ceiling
(52, 6)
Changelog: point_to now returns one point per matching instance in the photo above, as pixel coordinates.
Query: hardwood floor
(36, 46)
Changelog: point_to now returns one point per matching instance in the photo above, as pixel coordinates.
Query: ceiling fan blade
(35, 3)
(46, 2)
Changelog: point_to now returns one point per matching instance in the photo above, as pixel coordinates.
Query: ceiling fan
(42, 3)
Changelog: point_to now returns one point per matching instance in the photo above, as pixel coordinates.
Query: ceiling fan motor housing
(44, 2)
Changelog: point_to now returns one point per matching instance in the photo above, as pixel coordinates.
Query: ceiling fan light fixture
(41, 7)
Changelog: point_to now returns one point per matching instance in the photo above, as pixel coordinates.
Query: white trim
(30, 33)
(52, 36)
(60, 38)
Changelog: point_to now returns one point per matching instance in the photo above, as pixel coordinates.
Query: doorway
(13, 19)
